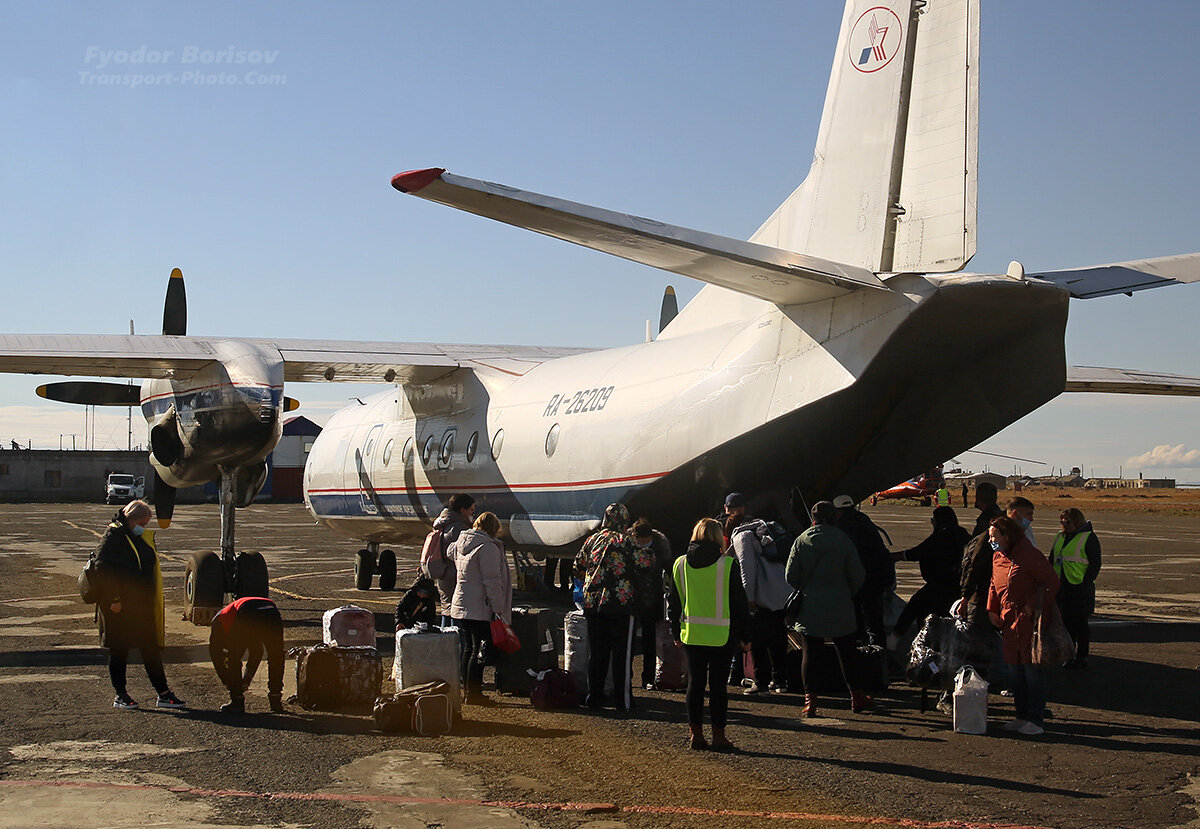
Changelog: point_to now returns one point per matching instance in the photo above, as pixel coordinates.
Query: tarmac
(1122, 748)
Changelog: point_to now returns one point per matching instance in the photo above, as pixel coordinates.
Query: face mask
(994, 544)
(138, 529)
(1025, 523)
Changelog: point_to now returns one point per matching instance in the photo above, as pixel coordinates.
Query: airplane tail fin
(893, 180)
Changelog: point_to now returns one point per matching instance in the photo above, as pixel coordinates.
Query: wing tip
(414, 180)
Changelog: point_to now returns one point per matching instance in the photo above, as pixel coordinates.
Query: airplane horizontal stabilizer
(1130, 381)
(1126, 277)
(781, 276)
(178, 357)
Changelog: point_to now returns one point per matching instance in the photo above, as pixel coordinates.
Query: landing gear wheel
(364, 568)
(203, 587)
(251, 575)
(387, 570)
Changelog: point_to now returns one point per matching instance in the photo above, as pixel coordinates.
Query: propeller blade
(670, 309)
(290, 404)
(164, 501)
(92, 394)
(175, 308)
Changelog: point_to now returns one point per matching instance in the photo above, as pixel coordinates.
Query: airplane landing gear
(209, 577)
(369, 561)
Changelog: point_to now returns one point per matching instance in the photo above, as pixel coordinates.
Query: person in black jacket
(876, 561)
(648, 538)
(707, 663)
(418, 604)
(129, 602)
(248, 626)
(940, 556)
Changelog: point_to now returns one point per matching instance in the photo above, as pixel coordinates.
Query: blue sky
(273, 197)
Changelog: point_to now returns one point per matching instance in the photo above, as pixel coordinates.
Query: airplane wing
(1129, 381)
(143, 356)
(774, 274)
(1126, 277)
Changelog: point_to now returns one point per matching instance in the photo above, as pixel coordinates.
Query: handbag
(503, 636)
(1052, 645)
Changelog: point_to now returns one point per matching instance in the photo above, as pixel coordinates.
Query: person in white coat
(767, 592)
(482, 592)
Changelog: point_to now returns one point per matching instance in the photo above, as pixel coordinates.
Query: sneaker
(169, 700)
(234, 707)
(1015, 724)
(1006, 693)
(746, 682)
(124, 701)
(650, 686)
(775, 687)
(754, 688)
(277, 705)
(1031, 729)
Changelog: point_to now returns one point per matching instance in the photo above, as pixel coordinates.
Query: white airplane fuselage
(842, 395)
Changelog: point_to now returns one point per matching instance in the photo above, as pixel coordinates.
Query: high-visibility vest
(943, 497)
(704, 592)
(1069, 558)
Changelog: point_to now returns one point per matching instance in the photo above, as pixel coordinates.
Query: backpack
(778, 544)
(89, 581)
(433, 555)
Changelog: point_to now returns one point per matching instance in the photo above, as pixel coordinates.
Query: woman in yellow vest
(707, 609)
(129, 603)
(1076, 558)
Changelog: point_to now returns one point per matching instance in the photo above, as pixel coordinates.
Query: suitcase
(348, 627)
(539, 652)
(670, 664)
(426, 655)
(329, 678)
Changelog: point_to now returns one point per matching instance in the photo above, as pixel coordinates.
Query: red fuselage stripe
(490, 487)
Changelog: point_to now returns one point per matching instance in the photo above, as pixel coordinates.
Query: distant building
(974, 479)
(1130, 483)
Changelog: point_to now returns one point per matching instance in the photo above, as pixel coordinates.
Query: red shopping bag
(504, 637)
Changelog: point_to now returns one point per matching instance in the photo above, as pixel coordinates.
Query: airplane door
(364, 465)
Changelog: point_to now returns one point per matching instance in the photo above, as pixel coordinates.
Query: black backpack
(89, 581)
(778, 544)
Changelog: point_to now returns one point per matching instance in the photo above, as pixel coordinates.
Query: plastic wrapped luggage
(535, 627)
(429, 654)
(349, 627)
(942, 648)
(670, 663)
(329, 678)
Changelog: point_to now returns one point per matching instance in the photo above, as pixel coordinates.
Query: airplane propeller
(91, 394)
(670, 309)
(175, 307)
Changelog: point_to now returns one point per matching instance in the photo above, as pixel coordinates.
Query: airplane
(920, 488)
(798, 370)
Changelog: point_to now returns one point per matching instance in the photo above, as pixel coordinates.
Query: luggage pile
(942, 648)
(540, 631)
(345, 671)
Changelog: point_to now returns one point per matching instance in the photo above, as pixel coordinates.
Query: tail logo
(875, 39)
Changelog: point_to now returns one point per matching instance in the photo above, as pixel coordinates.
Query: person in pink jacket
(1018, 570)
(482, 592)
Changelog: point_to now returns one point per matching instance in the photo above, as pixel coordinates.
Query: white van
(121, 488)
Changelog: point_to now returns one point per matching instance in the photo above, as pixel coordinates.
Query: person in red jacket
(249, 625)
(1018, 571)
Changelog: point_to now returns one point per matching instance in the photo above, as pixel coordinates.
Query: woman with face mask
(1018, 570)
(129, 605)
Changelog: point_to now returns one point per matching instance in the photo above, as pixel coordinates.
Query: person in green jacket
(824, 565)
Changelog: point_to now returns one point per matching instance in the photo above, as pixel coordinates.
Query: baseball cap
(843, 502)
(735, 499)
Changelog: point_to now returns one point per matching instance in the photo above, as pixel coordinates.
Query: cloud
(1175, 457)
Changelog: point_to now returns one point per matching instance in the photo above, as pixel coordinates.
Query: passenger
(706, 606)
(1018, 569)
(482, 592)
(130, 602)
(825, 566)
(456, 517)
(767, 592)
(1076, 558)
(248, 626)
(877, 563)
(1021, 510)
(418, 605)
(985, 502)
(940, 556)
(653, 596)
(965, 491)
(735, 514)
(610, 563)
(976, 570)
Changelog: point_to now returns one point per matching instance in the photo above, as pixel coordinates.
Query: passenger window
(497, 444)
(387, 452)
(472, 445)
(406, 454)
(427, 452)
(552, 440)
(447, 448)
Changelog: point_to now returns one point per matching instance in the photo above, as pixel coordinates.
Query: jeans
(707, 666)
(1029, 692)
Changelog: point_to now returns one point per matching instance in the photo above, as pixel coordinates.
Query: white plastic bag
(970, 702)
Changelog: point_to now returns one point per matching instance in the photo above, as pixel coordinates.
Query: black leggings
(708, 665)
(118, 658)
(477, 640)
(845, 656)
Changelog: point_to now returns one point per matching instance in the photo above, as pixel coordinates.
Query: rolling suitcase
(539, 652)
(670, 664)
(330, 678)
(426, 655)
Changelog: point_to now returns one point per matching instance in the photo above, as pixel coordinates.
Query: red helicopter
(922, 488)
